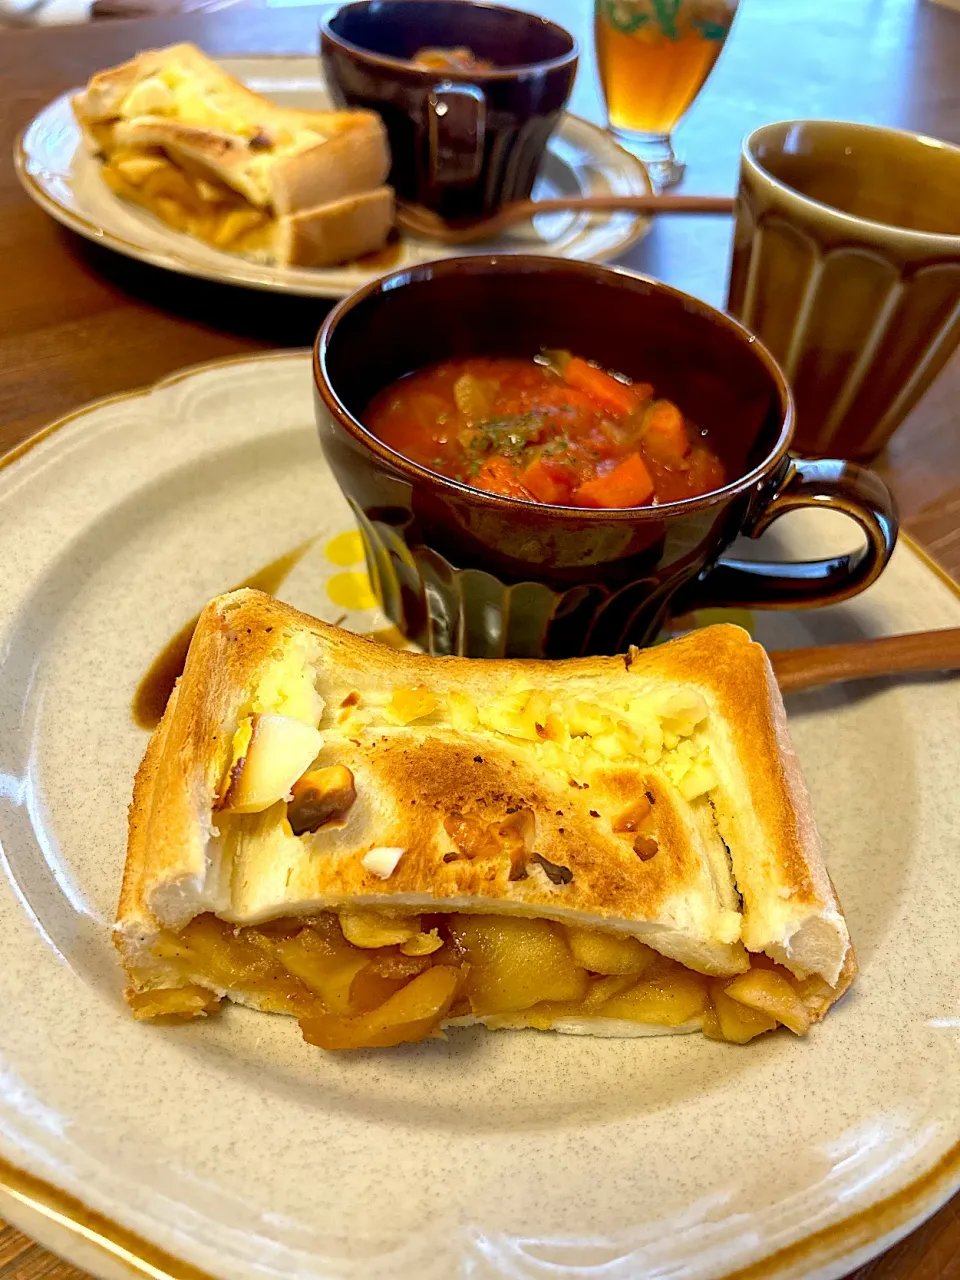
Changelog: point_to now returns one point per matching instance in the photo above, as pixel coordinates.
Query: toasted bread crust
(319, 175)
(106, 90)
(410, 778)
(336, 232)
(277, 874)
(353, 161)
(768, 824)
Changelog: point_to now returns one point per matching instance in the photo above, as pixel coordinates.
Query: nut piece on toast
(209, 157)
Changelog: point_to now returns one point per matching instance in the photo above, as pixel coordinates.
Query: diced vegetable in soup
(456, 59)
(555, 429)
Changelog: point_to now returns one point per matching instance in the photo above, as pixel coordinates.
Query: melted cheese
(288, 686)
(662, 727)
(173, 94)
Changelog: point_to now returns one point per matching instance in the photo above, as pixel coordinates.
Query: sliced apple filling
(193, 203)
(367, 979)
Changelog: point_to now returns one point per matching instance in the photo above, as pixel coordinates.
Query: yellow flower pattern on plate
(351, 589)
(345, 549)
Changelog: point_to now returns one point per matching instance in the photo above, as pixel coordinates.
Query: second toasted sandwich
(179, 136)
(383, 844)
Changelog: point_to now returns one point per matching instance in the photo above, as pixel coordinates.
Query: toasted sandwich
(179, 136)
(383, 844)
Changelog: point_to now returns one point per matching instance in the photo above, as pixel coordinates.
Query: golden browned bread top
(181, 79)
(181, 103)
(561, 752)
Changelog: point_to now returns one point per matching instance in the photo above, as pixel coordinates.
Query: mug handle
(457, 123)
(839, 486)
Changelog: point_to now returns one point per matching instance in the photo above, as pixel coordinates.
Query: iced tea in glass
(653, 57)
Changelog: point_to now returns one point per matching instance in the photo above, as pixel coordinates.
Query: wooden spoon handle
(668, 203)
(424, 222)
(829, 663)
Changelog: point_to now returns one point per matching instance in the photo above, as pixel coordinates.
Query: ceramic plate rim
(848, 1242)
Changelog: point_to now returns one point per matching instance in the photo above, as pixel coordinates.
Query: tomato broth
(554, 429)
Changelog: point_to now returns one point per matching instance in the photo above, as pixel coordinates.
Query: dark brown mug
(463, 571)
(462, 142)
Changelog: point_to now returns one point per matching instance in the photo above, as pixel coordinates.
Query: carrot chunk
(498, 476)
(613, 395)
(628, 485)
(548, 481)
(665, 433)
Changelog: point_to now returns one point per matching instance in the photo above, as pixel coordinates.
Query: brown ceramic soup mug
(464, 571)
(463, 141)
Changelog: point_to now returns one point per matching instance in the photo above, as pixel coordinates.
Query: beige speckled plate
(65, 180)
(232, 1149)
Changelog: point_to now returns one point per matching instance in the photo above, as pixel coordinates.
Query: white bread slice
(723, 766)
(338, 232)
(234, 150)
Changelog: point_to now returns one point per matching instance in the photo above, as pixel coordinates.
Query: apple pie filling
(364, 979)
(193, 203)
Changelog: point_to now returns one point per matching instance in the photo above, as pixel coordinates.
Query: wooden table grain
(77, 323)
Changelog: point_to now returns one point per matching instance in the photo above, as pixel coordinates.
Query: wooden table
(77, 323)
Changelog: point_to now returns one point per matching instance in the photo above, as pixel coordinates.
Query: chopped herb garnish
(508, 436)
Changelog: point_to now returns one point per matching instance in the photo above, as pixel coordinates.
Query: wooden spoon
(426, 223)
(924, 651)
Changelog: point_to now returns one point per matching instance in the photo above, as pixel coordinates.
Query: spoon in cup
(429, 225)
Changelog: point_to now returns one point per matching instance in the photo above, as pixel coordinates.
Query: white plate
(232, 1147)
(65, 180)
